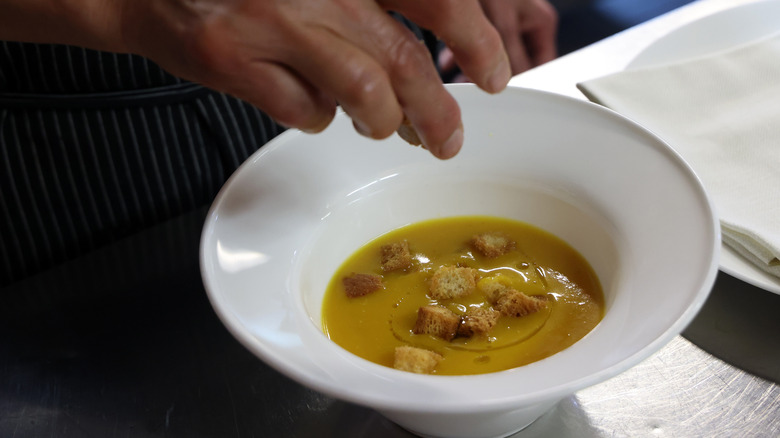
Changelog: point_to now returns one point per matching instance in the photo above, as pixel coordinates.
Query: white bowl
(297, 208)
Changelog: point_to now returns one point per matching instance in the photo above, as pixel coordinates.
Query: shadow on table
(740, 324)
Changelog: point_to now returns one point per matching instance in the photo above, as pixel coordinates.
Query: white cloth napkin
(722, 114)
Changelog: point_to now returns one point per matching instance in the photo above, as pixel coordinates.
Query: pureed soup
(462, 295)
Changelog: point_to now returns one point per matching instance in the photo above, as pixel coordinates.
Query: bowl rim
(382, 402)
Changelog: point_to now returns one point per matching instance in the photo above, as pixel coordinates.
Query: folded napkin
(722, 114)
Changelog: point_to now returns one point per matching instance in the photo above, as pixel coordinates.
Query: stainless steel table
(123, 342)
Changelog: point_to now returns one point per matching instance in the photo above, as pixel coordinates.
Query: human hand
(528, 29)
(298, 59)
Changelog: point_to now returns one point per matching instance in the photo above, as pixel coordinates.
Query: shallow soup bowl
(296, 209)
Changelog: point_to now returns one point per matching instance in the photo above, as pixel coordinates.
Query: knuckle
(367, 83)
(409, 60)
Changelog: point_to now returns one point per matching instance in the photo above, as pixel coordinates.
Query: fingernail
(452, 146)
(500, 77)
(361, 127)
(318, 125)
(316, 129)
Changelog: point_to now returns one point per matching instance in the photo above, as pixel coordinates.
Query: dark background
(584, 22)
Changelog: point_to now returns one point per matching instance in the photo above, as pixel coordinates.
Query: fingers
(507, 24)
(283, 95)
(541, 28)
(295, 59)
(518, 57)
(219, 56)
(378, 71)
(462, 26)
(528, 29)
(359, 83)
(419, 90)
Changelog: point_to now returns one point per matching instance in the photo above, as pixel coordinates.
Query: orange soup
(462, 295)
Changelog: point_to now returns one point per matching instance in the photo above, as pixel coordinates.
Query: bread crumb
(396, 256)
(357, 285)
(478, 321)
(437, 321)
(453, 281)
(415, 360)
(492, 244)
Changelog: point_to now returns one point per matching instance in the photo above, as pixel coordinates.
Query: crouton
(407, 132)
(492, 244)
(437, 321)
(478, 321)
(453, 281)
(357, 285)
(396, 256)
(509, 301)
(415, 360)
(514, 303)
(492, 289)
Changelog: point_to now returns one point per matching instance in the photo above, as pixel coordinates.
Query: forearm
(88, 23)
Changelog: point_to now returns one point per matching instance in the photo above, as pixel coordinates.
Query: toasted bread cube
(437, 321)
(493, 290)
(509, 301)
(415, 360)
(357, 285)
(396, 256)
(452, 281)
(478, 321)
(492, 244)
(514, 303)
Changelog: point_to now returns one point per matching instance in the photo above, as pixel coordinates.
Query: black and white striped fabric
(95, 146)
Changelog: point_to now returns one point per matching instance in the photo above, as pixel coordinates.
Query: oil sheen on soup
(462, 295)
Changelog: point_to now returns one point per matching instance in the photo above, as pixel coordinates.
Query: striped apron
(95, 146)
